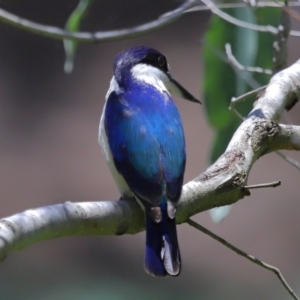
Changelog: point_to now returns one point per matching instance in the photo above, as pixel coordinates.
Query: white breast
(102, 138)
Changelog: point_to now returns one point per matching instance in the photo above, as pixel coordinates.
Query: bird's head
(148, 65)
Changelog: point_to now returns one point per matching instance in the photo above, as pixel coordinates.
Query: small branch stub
(262, 185)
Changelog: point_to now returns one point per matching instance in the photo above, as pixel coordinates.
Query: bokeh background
(49, 154)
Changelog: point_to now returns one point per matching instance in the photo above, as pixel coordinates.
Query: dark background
(49, 154)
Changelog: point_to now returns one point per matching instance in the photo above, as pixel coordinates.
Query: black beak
(180, 91)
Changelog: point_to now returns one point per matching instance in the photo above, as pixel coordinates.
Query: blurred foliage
(221, 81)
(73, 25)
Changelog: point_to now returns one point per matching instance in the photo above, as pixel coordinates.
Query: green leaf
(219, 78)
(73, 25)
(221, 82)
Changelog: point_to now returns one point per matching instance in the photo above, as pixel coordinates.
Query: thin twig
(268, 28)
(290, 160)
(237, 22)
(248, 94)
(241, 67)
(235, 100)
(165, 19)
(244, 254)
(281, 41)
(250, 81)
(259, 4)
(295, 33)
(262, 185)
(58, 33)
(235, 112)
(220, 54)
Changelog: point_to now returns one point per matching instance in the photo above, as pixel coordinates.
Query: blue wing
(146, 139)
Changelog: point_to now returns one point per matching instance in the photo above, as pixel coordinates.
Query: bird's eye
(161, 61)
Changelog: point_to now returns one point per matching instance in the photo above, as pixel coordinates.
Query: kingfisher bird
(143, 142)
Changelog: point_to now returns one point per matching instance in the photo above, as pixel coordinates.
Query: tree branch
(166, 19)
(267, 28)
(214, 9)
(58, 33)
(259, 4)
(221, 184)
(239, 66)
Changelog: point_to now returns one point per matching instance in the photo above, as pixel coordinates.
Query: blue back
(146, 139)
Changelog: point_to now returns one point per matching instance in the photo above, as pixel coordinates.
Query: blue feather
(145, 137)
(162, 256)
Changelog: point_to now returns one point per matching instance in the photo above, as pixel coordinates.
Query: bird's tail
(162, 256)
